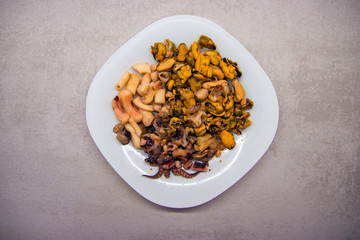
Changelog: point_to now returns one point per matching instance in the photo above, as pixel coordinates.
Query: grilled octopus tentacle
(167, 173)
(157, 175)
(183, 173)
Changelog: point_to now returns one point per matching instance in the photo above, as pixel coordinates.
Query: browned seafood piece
(157, 175)
(183, 173)
(199, 166)
(167, 173)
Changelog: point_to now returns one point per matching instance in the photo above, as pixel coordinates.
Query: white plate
(128, 162)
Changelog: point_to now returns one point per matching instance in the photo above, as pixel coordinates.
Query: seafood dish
(184, 109)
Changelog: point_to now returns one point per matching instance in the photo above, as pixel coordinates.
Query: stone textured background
(55, 184)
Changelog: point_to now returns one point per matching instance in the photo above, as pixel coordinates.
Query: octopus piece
(157, 175)
(154, 76)
(198, 118)
(216, 93)
(180, 138)
(168, 165)
(178, 164)
(152, 160)
(194, 109)
(179, 152)
(150, 143)
(169, 148)
(183, 173)
(167, 173)
(199, 166)
(158, 125)
(164, 111)
(200, 155)
(187, 165)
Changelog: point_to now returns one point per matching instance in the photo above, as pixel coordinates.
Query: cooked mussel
(215, 108)
(165, 64)
(158, 51)
(207, 42)
(214, 56)
(182, 52)
(170, 48)
(175, 123)
(246, 103)
(227, 139)
(184, 73)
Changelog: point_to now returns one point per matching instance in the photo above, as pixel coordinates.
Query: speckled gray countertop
(55, 184)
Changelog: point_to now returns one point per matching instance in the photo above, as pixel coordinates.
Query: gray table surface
(55, 184)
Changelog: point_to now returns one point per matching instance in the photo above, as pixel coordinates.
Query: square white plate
(128, 162)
